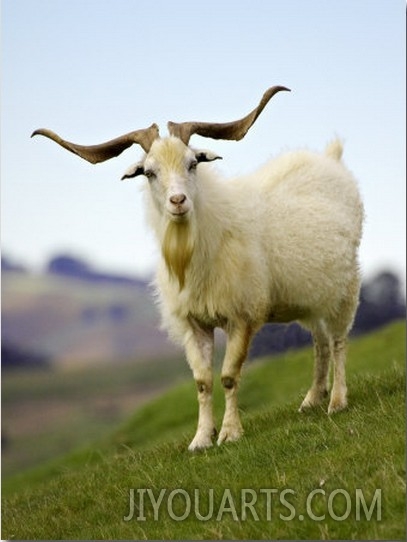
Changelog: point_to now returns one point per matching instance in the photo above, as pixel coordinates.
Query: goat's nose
(178, 199)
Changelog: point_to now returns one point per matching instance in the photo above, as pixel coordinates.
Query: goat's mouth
(179, 216)
(178, 213)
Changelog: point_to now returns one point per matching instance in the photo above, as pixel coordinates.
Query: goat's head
(170, 167)
(169, 164)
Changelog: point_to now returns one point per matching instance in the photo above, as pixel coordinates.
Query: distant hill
(68, 266)
(9, 265)
(15, 358)
(72, 313)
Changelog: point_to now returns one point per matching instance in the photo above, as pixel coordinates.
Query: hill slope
(292, 475)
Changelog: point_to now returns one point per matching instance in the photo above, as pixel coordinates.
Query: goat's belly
(206, 320)
(287, 313)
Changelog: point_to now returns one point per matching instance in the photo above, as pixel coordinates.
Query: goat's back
(308, 215)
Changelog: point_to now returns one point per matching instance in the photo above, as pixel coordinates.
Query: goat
(274, 246)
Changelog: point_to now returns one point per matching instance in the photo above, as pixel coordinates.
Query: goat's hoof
(198, 445)
(337, 404)
(313, 399)
(230, 434)
(202, 442)
(305, 405)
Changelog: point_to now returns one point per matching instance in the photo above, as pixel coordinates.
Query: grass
(47, 413)
(86, 496)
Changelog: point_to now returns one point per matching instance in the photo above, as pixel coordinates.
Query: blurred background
(81, 345)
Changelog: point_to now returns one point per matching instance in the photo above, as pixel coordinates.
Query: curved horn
(110, 149)
(229, 130)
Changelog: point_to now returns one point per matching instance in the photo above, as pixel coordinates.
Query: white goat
(274, 246)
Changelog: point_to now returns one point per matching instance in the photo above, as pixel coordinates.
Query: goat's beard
(177, 249)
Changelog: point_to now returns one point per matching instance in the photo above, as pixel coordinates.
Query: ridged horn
(235, 130)
(110, 149)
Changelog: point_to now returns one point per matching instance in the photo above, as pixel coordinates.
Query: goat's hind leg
(338, 400)
(340, 327)
(199, 351)
(322, 356)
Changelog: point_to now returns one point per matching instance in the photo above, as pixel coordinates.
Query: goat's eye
(192, 165)
(149, 174)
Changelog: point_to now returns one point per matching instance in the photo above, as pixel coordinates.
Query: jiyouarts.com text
(264, 504)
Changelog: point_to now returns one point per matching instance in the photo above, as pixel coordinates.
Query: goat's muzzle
(178, 206)
(178, 199)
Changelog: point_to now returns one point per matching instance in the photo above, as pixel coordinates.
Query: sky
(91, 70)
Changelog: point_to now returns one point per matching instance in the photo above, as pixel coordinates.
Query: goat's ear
(206, 156)
(133, 171)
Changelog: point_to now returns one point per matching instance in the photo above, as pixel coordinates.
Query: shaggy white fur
(275, 246)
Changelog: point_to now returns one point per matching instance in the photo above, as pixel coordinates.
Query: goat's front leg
(199, 352)
(236, 351)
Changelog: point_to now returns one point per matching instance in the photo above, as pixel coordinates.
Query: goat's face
(170, 167)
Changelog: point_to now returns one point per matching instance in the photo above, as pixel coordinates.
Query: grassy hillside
(292, 476)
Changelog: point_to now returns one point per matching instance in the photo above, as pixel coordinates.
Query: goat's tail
(334, 149)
